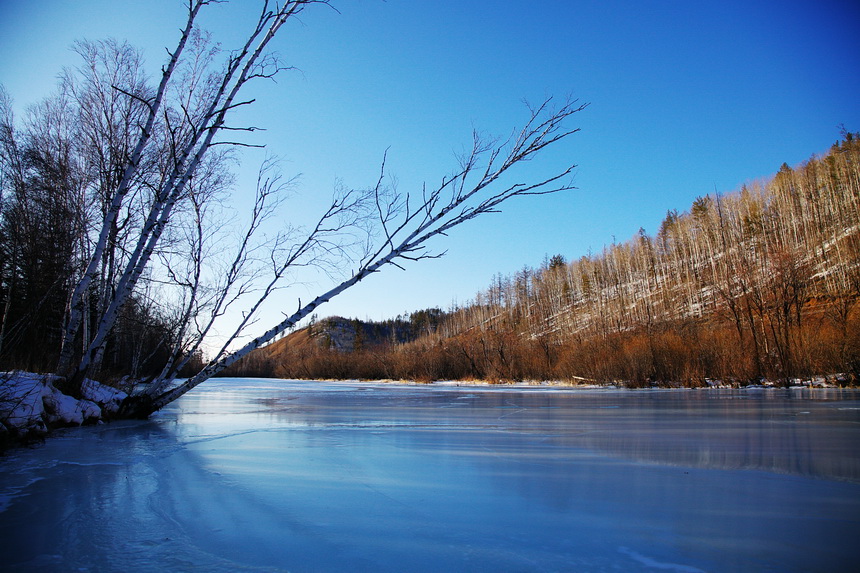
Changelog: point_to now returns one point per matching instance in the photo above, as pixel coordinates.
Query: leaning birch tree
(182, 124)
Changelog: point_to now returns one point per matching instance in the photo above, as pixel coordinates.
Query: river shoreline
(31, 407)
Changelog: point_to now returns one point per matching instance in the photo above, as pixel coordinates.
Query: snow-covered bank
(30, 405)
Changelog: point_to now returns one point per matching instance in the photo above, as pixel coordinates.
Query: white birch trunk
(77, 304)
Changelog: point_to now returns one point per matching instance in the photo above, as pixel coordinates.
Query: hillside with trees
(760, 283)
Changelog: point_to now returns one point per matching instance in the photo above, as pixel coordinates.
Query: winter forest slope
(759, 283)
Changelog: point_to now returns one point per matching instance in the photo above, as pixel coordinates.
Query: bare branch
(406, 230)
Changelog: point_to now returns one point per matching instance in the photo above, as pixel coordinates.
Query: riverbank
(31, 406)
(830, 381)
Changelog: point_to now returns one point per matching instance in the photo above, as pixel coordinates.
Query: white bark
(242, 66)
(77, 303)
(178, 133)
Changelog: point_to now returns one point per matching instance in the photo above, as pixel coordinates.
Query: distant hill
(339, 335)
(351, 334)
(760, 283)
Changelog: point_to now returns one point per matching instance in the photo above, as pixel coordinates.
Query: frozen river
(275, 475)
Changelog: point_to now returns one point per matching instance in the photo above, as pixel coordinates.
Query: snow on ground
(107, 398)
(30, 404)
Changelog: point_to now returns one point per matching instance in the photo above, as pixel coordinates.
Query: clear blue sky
(685, 97)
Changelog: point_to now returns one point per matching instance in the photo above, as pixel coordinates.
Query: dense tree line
(55, 170)
(763, 282)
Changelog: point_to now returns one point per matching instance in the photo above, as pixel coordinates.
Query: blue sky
(685, 97)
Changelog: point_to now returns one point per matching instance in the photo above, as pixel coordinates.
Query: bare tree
(398, 227)
(182, 125)
(156, 161)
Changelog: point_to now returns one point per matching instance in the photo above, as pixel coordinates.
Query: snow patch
(30, 404)
(108, 399)
(21, 402)
(65, 410)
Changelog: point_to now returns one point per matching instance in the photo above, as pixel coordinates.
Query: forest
(46, 210)
(760, 284)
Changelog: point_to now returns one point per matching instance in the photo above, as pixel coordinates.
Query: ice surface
(269, 475)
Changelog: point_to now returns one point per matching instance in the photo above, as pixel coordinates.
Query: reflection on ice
(278, 475)
(716, 429)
